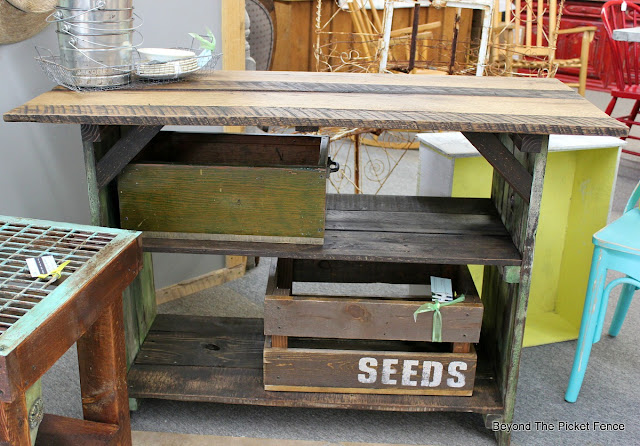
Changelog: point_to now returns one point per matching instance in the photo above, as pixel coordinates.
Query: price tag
(39, 266)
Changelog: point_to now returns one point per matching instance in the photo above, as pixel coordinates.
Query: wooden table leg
(139, 299)
(102, 362)
(14, 427)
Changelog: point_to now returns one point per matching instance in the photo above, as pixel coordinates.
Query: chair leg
(612, 104)
(590, 314)
(621, 309)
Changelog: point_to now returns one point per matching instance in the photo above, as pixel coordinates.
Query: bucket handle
(55, 16)
(100, 63)
(75, 38)
(69, 25)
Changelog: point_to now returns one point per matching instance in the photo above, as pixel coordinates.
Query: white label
(412, 372)
(457, 379)
(431, 374)
(408, 371)
(387, 371)
(367, 365)
(41, 265)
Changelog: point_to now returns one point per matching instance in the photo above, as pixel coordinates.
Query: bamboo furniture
(525, 34)
(41, 318)
(507, 120)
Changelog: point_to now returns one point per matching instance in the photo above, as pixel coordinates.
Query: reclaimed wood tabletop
(453, 103)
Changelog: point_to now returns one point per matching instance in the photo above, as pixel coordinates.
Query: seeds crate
(269, 188)
(347, 344)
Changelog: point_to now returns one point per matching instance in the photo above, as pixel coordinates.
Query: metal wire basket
(139, 73)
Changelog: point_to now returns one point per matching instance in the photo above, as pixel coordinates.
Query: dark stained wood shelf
(382, 229)
(210, 359)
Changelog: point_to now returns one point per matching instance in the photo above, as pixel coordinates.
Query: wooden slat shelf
(381, 229)
(209, 359)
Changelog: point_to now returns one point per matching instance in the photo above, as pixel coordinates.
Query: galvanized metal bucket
(95, 38)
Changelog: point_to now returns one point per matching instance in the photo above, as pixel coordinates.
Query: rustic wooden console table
(508, 120)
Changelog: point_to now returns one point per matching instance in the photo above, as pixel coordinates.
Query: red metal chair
(618, 14)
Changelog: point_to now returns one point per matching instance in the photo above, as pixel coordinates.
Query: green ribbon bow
(436, 333)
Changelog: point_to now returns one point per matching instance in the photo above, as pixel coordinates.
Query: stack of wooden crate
(347, 344)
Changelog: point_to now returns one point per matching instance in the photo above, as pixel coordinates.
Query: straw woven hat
(21, 19)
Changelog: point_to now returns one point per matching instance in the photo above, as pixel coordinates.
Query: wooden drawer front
(197, 184)
(381, 318)
(382, 370)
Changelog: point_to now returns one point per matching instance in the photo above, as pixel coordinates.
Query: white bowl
(164, 54)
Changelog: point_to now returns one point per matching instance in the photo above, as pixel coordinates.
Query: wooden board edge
(278, 388)
(315, 240)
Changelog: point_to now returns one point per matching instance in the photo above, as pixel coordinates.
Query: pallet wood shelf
(458, 231)
(209, 359)
(517, 114)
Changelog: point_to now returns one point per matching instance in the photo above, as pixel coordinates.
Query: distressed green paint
(19, 331)
(138, 299)
(506, 300)
(262, 201)
(511, 273)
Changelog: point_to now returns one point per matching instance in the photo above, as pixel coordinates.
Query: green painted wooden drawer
(268, 188)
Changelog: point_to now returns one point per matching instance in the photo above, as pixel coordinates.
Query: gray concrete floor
(610, 392)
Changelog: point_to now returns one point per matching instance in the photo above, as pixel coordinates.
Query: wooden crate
(354, 317)
(249, 187)
(377, 367)
(351, 344)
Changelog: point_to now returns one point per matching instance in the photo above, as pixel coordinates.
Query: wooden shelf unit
(507, 119)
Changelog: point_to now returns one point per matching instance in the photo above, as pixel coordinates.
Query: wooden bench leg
(101, 357)
(14, 427)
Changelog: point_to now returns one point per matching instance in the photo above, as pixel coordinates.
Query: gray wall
(42, 166)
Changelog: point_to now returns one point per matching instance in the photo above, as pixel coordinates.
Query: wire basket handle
(57, 16)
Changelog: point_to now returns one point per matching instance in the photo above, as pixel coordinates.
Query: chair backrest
(633, 199)
(262, 36)
(520, 25)
(625, 56)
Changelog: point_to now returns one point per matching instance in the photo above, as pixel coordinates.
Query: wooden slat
(249, 201)
(308, 369)
(244, 385)
(503, 161)
(535, 106)
(56, 430)
(354, 317)
(123, 152)
(411, 243)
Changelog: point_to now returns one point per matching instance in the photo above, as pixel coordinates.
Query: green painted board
(249, 201)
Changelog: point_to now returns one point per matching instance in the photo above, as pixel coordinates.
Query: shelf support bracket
(123, 152)
(503, 161)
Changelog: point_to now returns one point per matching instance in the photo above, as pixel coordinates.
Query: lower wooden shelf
(199, 358)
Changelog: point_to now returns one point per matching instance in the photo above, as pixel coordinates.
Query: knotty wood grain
(534, 106)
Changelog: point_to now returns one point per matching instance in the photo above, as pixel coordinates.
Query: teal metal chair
(617, 247)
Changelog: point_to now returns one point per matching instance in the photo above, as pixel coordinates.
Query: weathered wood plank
(14, 425)
(528, 143)
(235, 149)
(240, 385)
(532, 106)
(503, 161)
(353, 317)
(358, 370)
(225, 200)
(103, 367)
(56, 430)
(122, 152)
